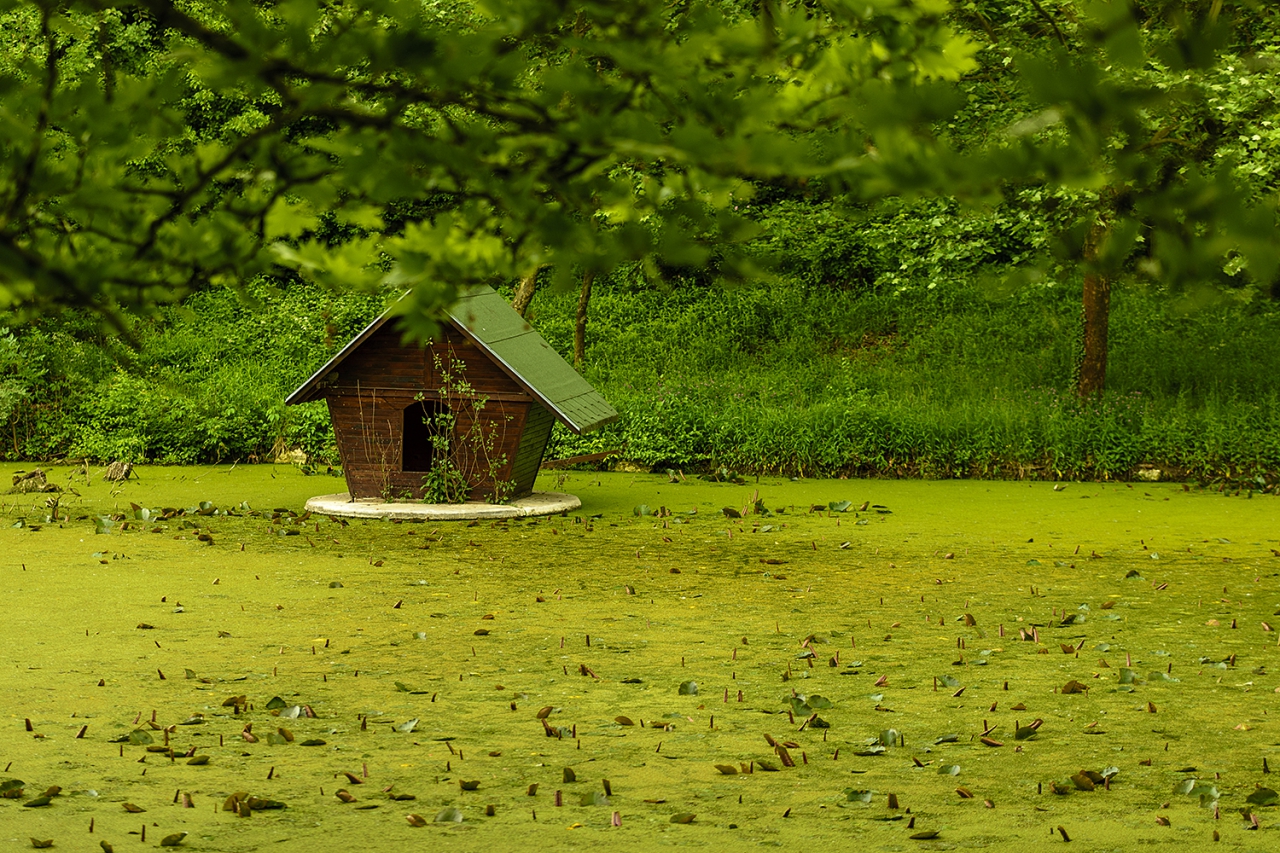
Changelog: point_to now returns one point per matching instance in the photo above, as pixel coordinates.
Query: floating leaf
(949, 770)
(683, 818)
(469, 784)
(1263, 797)
(595, 798)
(688, 688)
(258, 804)
(1083, 781)
(727, 769)
(839, 506)
(408, 726)
(415, 820)
(1196, 788)
(1074, 686)
(949, 681)
(1027, 731)
(924, 835)
(856, 796)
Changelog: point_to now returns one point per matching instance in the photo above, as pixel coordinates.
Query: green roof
(485, 317)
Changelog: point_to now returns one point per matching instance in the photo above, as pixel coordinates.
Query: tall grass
(781, 379)
(792, 378)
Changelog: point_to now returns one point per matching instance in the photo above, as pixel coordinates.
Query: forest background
(903, 333)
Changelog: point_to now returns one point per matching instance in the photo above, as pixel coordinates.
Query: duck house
(479, 401)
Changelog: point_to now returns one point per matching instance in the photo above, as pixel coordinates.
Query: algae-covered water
(533, 653)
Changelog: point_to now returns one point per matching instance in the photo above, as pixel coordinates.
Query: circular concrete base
(538, 503)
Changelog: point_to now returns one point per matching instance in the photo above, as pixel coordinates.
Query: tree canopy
(148, 147)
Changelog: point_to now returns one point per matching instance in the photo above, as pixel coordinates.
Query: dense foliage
(911, 198)
(783, 377)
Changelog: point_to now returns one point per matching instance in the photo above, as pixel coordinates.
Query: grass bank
(782, 378)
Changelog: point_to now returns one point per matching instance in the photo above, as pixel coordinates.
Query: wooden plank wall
(533, 444)
(383, 362)
(376, 383)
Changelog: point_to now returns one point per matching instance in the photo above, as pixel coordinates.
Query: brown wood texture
(369, 428)
(373, 387)
(1096, 316)
(533, 444)
(383, 362)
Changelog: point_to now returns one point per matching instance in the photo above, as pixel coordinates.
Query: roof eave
(309, 390)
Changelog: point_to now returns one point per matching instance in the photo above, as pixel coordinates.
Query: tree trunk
(1096, 314)
(580, 321)
(524, 293)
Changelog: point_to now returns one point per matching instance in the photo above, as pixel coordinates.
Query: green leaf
(1263, 797)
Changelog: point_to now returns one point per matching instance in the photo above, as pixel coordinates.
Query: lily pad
(1263, 797)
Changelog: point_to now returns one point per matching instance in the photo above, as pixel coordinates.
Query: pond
(992, 663)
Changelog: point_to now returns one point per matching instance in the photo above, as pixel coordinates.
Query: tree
(574, 136)
(1124, 131)
(150, 147)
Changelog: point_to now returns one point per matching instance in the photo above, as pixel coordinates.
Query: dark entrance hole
(424, 430)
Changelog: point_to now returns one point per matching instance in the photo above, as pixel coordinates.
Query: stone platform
(538, 503)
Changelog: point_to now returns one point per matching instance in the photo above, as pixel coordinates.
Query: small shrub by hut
(467, 416)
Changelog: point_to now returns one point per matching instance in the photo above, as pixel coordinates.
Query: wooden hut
(490, 382)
